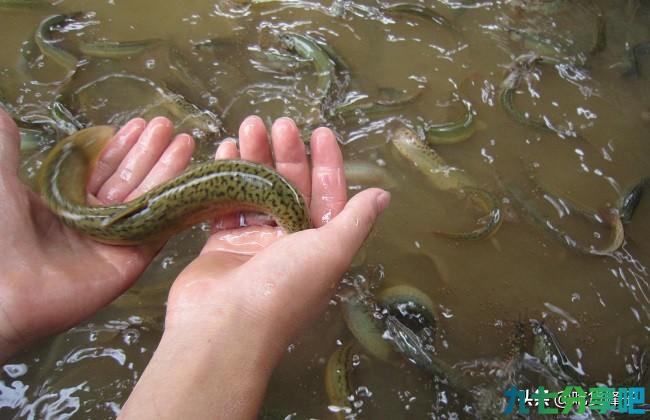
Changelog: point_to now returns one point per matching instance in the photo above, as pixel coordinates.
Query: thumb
(9, 143)
(350, 228)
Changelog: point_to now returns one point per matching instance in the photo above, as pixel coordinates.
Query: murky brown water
(598, 307)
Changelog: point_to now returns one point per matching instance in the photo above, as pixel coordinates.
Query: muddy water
(598, 307)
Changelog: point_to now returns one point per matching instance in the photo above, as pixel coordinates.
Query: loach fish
(117, 49)
(521, 69)
(368, 317)
(448, 178)
(453, 131)
(522, 65)
(48, 46)
(422, 12)
(635, 52)
(203, 191)
(378, 324)
(338, 380)
(307, 48)
(536, 216)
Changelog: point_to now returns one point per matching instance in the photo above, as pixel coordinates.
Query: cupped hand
(256, 269)
(52, 276)
(233, 311)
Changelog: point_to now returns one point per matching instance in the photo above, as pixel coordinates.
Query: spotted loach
(203, 191)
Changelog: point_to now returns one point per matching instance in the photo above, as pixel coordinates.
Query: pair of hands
(248, 293)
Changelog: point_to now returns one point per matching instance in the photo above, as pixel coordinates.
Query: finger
(227, 150)
(328, 185)
(138, 162)
(114, 153)
(172, 163)
(291, 156)
(352, 225)
(254, 141)
(9, 144)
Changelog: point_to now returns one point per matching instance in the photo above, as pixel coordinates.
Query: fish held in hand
(204, 191)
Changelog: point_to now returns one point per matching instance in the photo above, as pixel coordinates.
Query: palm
(236, 307)
(68, 265)
(323, 184)
(56, 275)
(234, 260)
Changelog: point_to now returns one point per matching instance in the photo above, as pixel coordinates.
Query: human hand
(250, 267)
(233, 311)
(54, 277)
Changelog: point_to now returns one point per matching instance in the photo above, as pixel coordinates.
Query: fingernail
(134, 124)
(185, 138)
(160, 122)
(288, 121)
(283, 127)
(383, 199)
(112, 196)
(321, 134)
(249, 124)
(130, 128)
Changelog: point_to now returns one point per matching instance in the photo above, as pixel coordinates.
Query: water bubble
(364, 391)
(193, 19)
(446, 312)
(486, 156)
(339, 409)
(167, 262)
(356, 360)
(15, 370)
(130, 336)
(587, 113)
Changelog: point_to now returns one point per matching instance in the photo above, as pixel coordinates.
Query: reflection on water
(558, 98)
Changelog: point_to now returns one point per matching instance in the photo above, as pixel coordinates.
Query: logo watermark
(575, 399)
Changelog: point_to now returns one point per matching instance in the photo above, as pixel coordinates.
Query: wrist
(14, 336)
(215, 369)
(250, 348)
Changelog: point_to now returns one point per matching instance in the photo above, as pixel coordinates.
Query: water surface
(598, 307)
